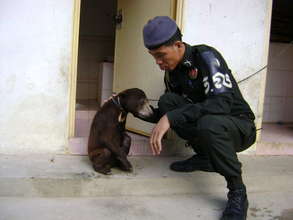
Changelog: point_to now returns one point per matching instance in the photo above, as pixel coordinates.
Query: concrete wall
(278, 106)
(35, 58)
(35, 55)
(240, 31)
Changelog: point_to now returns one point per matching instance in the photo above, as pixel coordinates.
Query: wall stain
(64, 68)
(287, 214)
(10, 83)
(210, 8)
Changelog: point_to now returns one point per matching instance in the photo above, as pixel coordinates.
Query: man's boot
(237, 205)
(196, 162)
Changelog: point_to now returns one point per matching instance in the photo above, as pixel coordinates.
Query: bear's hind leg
(125, 146)
(119, 154)
(102, 161)
(126, 142)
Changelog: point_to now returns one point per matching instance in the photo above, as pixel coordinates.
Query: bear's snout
(145, 111)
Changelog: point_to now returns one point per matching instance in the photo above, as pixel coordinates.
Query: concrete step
(262, 206)
(72, 176)
(83, 120)
(139, 145)
(276, 139)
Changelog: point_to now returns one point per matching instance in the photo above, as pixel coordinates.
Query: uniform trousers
(217, 137)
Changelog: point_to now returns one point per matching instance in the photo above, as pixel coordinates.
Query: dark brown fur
(109, 144)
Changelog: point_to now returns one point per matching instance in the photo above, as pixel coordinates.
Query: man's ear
(178, 44)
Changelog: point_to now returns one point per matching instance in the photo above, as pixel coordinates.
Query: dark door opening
(278, 104)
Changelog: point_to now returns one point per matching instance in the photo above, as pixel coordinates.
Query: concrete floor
(66, 187)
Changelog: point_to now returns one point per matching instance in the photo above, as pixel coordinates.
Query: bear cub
(109, 144)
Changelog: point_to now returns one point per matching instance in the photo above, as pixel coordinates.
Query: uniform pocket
(247, 130)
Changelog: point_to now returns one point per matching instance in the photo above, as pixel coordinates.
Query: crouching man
(204, 106)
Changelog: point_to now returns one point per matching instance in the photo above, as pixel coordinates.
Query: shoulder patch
(217, 80)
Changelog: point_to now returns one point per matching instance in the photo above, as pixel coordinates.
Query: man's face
(168, 57)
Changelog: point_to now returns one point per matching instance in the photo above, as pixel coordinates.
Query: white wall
(240, 31)
(35, 56)
(278, 106)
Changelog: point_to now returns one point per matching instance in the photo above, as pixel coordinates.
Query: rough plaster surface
(36, 52)
(239, 30)
(34, 66)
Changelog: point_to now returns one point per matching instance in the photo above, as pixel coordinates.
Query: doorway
(99, 40)
(94, 66)
(278, 103)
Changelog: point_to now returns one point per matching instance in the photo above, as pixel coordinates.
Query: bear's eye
(141, 101)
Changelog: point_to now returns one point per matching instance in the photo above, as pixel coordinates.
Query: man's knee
(209, 128)
(209, 123)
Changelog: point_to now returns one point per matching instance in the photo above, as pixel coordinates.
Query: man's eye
(159, 56)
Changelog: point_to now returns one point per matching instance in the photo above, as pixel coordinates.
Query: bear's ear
(122, 94)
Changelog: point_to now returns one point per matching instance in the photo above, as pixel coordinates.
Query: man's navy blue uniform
(203, 99)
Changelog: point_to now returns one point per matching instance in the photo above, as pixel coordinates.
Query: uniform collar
(188, 63)
(187, 60)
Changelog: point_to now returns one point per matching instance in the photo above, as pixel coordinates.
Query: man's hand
(158, 132)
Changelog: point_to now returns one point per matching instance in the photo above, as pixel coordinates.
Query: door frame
(177, 14)
(73, 68)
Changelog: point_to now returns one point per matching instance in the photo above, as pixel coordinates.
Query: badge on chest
(193, 73)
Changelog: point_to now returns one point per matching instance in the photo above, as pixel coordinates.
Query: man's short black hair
(176, 37)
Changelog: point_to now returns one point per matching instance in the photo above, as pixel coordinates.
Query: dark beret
(158, 30)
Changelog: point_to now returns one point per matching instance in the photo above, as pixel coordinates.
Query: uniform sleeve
(170, 85)
(218, 90)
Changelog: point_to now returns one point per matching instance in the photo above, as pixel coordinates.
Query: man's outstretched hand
(157, 134)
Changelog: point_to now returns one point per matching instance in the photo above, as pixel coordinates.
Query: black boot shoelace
(235, 201)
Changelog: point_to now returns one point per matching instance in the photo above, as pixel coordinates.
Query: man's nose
(159, 61)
